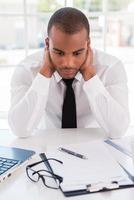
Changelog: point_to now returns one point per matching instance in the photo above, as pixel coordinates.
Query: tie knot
(68, 82)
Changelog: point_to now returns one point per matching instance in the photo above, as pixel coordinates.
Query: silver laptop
(11, 158)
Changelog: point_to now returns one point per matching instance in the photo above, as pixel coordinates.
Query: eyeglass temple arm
(45, 160)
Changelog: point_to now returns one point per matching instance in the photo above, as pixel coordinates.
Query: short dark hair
(69, 20)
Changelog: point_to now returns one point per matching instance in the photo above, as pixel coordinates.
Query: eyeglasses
(48, 178)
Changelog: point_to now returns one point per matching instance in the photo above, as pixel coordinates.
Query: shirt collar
(58, 78)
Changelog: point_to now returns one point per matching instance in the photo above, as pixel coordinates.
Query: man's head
(68, 40)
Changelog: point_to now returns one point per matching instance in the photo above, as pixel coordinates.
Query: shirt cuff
(94, 86)
(41, 84)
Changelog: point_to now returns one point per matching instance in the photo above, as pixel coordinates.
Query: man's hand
(87, 69)
(47, 68)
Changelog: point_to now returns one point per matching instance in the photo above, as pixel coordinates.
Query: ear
(47, 43)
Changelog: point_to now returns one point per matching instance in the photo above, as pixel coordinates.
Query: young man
(69, 85)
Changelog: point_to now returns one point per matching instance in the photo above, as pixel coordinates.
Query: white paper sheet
(100, 167)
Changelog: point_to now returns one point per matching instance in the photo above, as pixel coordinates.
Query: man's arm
(109, 102)
(28, 99)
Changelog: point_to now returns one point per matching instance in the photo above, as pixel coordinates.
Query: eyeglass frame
(54, 176)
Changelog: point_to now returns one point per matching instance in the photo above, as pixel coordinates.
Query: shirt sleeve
(108, 99)
(28, 101)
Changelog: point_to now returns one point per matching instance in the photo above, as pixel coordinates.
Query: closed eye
(59, 53)
(76, 53)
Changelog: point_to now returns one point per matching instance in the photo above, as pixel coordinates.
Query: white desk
(18, 186)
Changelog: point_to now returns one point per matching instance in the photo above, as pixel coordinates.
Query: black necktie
(69, 107)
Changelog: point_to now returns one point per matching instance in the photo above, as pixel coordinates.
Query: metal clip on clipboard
(102, 186)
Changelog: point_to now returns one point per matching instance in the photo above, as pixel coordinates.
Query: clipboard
(123, 155)
(118, 147)
(90, 187)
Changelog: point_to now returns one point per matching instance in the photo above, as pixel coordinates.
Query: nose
(68, 61)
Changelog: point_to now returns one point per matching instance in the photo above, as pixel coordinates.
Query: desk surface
(18, 186)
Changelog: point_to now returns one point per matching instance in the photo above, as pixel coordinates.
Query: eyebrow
(73, 51)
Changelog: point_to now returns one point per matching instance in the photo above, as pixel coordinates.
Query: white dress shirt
(36, 101)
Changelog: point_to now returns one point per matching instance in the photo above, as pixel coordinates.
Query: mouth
(69, 71)
(68, 74)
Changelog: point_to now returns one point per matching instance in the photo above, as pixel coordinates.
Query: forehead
(65, 41)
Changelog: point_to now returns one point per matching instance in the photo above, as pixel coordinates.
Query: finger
(46, 48)
(91, 56)
(46, 53)
(90, 49)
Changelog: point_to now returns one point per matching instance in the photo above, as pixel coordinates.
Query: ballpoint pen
(72, 153)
